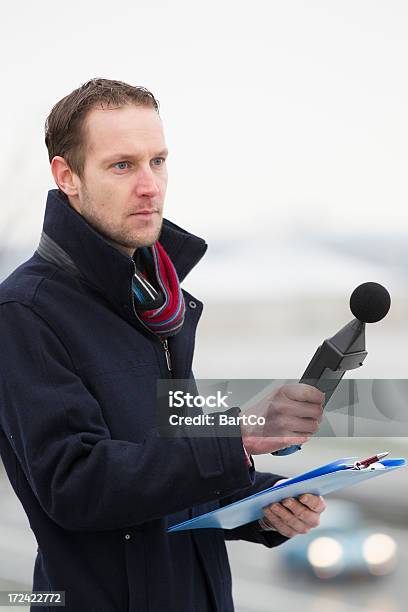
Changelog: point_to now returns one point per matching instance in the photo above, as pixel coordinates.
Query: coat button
(127, 536)
(217, 492)
(192, 304)
(126, 307)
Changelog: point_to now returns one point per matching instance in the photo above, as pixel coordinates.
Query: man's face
(124, 184)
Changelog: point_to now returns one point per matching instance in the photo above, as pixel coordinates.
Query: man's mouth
(145, 213)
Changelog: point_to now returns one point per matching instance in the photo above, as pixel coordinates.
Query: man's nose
(146, 184)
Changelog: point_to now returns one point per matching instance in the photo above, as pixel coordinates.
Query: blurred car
(343, 545)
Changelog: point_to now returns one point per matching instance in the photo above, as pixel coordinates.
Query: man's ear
(64, 176)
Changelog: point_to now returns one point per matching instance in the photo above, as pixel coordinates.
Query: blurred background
(287, 128)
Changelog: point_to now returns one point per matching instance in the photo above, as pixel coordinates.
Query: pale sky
(281, 117)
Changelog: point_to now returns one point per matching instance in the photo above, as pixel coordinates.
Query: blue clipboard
(320, 481)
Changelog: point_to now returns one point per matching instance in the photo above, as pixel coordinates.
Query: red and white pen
(366, 462)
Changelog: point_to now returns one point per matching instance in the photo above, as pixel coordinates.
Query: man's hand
(291, 517)
(292, 415)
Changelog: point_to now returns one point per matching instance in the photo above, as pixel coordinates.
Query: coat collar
(82, 250)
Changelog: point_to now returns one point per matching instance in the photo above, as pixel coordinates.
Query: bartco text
(219, 419)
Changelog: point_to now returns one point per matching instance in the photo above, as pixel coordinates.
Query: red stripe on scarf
(170, 280)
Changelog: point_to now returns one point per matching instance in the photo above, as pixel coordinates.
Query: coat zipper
(167, 353)
(164, 342)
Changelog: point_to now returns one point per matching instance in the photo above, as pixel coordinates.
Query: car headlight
(325, 556)
(379, 551)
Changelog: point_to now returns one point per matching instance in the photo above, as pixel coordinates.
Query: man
(88, 325)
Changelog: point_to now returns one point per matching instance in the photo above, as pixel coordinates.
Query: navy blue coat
(78, 432)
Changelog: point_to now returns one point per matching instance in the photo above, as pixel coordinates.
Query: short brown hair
(64, 134)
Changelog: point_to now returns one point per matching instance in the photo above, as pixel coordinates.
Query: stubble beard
(121, 237)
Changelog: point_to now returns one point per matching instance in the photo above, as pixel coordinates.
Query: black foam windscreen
(370, 302)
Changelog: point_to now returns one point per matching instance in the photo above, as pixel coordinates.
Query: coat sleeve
(82, 478)
(251, 532)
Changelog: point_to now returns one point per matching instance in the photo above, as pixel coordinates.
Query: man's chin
(146, 236)
(146, 240)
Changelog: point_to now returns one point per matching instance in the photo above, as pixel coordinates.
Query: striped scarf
(157, 294)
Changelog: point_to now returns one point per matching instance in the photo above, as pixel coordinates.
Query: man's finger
(277, 510)
(304, 393)
(302, 512)
(303, 425)
(314, 502)
(280, 526)
(305, 409)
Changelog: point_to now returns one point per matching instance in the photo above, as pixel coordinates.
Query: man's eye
(160, 161)
(122, 165)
